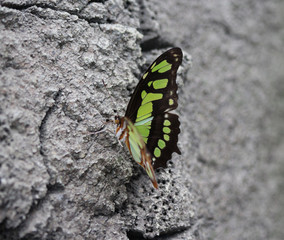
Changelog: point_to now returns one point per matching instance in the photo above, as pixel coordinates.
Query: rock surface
(63, 174)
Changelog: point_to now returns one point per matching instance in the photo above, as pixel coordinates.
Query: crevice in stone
(34, 207)
(152, 39)
(97, 20)
(53, 7)
(42, 127)
(57, 187)
(7, 234)
(137, 235)
(173, 232)
(37, 203)
(97, 1)
(45, 118)
(24, 6)
(12, 234)
(155, 42)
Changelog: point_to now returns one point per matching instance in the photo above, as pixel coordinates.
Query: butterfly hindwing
(149, 107)
(163, 138)
(139, 151)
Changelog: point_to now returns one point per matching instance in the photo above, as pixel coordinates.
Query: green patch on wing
(167, 123)
(161, 144)
(145, 110)
(166, 137)
(160, 84)
(152, 97)
(144, 127)
(157, 152)
(162, 67)
(134, 146)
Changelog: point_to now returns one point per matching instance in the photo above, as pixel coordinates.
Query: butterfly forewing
(163, 71)
(149, 107)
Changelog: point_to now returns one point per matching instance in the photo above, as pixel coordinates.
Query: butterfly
(149, 129)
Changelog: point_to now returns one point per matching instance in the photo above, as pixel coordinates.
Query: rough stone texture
(63, 175)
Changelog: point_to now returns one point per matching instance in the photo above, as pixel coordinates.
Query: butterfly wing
(150, 105)
(139, 151)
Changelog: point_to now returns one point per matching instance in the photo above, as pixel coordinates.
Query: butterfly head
(117, 120)
(121, 127)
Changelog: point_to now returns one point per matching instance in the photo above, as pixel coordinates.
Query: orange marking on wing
(146, 164)
(122, 134)
(117, 129)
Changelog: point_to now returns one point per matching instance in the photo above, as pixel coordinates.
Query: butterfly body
(149, 130)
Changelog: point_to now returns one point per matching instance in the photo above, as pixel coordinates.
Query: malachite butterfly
(149, 129)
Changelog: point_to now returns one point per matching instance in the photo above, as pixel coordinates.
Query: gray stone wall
(62, 177)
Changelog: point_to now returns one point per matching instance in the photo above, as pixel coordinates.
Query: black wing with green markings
(150, 105)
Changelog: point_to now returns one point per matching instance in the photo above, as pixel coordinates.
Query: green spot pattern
(157, 152)
(166, 137)
(162, 67)
(161, 144)
(166, 130)
(167, 123)
(160, 84)
(152, 97)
